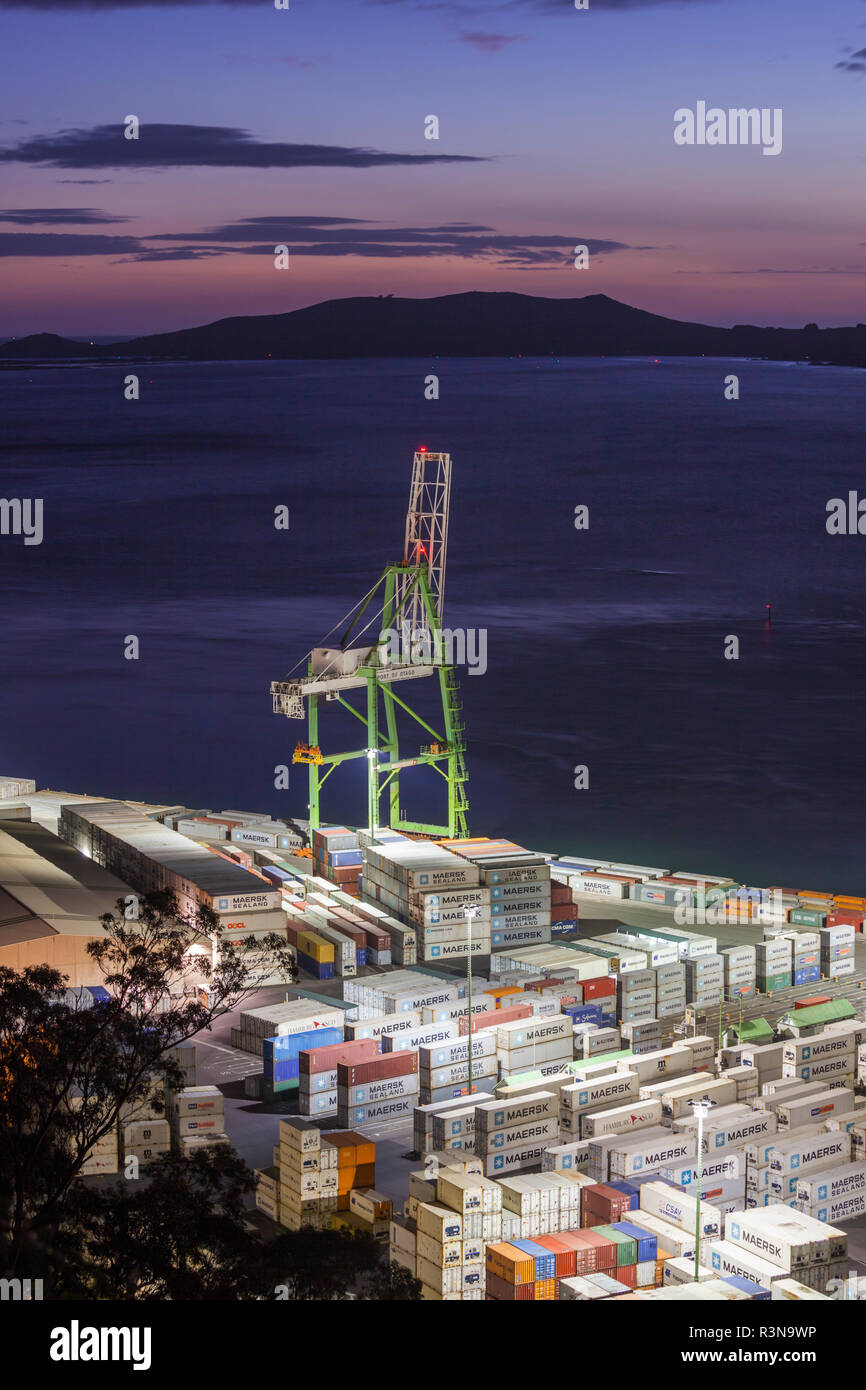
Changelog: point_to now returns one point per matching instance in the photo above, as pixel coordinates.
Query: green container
(770, 983)
(807, 917)
(626, 1246)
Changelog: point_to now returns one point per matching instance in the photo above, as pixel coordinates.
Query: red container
(600, 988)
(350, 874)
(341, 921)
(601, 1205)
(378, 1068)
(811, 1002)
(566, 1256)
(627, 1274)
(496, 1017)
(559, 893)
(562, 912)
(327, 1058)
(377, 938)
(603, 1251)
(584, 1244)
(845, 917)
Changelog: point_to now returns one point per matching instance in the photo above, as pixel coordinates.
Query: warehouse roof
(47, 888)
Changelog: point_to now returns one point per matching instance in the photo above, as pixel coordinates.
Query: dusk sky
(556, 128)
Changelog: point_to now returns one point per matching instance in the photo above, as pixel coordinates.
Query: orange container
(353, 1148)
(502, 993)
(545, 1289)
(510, 1264)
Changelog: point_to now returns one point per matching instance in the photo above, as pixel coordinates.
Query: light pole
(373, 790)
(701, 1110)
(469, 913)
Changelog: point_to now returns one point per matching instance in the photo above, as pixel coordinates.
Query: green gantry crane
(411, 644)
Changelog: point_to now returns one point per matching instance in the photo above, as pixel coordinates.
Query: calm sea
(605, 647)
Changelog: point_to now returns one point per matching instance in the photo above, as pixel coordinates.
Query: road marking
(232, 1052)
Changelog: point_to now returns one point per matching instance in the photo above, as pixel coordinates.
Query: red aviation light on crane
(422, 448)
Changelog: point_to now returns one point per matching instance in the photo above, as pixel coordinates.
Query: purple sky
(306, 127)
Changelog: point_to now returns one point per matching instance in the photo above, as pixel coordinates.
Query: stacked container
(837, 951)
(774, 962)
(145, 1140)
(337, 855)
(383, 1088)
(518, 883)
(671, 990)
(317, 1174)
(523, 1045)
(194, 1112)
(510, 1135)
(806, 961)
(416, 881)
(317, 1073)
(705, 980)
(281, 1055)
(740, 971)
(444, 1067)
(636, 996)
(830, 1057)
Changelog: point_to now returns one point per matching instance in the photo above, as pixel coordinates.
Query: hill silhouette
(475, 324)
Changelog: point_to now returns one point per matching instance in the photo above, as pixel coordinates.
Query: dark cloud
(57, 217)
(393, 243)
(175, 146)
(855, 62)
(491, 43)
(65, 244)
(79, 181)
(176, 253)
(316, 236)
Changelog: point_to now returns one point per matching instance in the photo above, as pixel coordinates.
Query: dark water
(605, 647)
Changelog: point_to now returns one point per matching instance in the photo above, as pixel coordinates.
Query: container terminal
(550, 1150)
(532, 1076)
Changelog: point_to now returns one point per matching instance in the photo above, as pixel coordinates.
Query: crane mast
(403, 641)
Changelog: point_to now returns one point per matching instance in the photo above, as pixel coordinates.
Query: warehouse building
(51, 900)
(151, 857)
